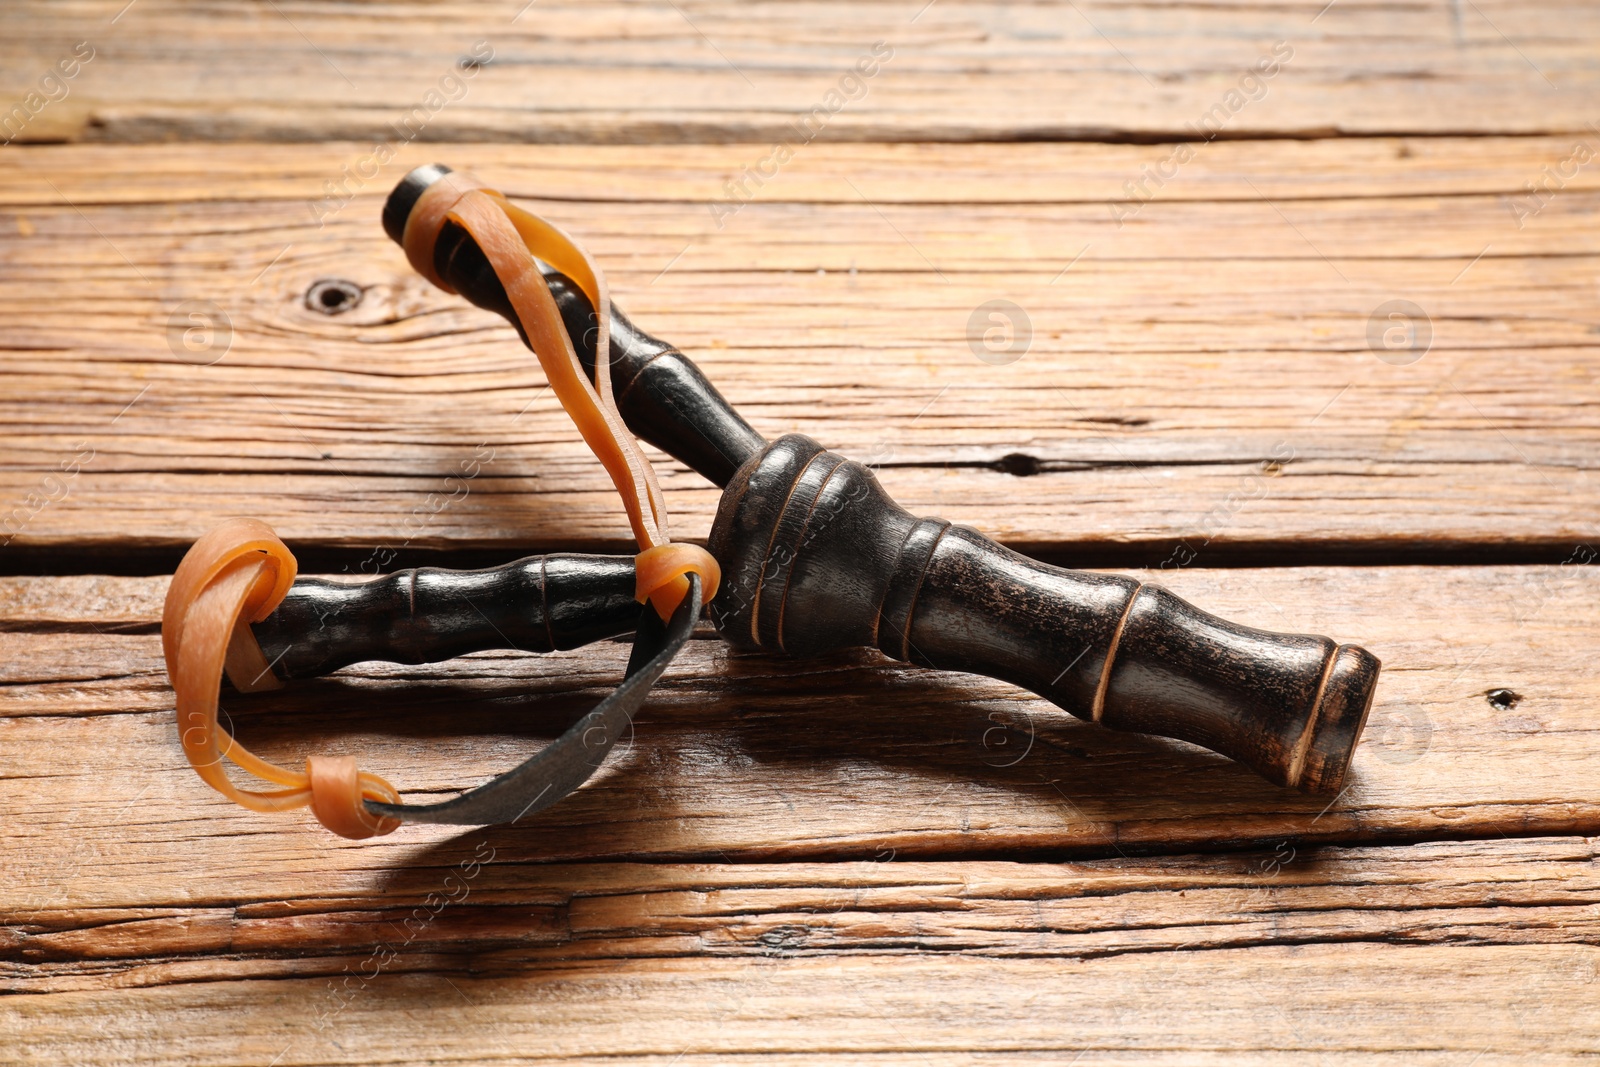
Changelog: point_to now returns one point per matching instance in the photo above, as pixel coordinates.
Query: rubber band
(513, 240)
(232, 576)
(338, 795)
(427, 219)
(661, 575)
(240, 571)
(510, 239)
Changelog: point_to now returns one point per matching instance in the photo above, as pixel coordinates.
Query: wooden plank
(751, 757)
(722, 71)
(1439, 952)
(1346, 1005)
(885, 173)
(1200, 375)
(497, 916)
(815, 862)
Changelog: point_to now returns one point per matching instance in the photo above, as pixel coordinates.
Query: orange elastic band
(660, 575)
(239, 572)
(511, 239)
(234, 575)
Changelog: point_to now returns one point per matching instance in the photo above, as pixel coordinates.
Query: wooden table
(843, 860)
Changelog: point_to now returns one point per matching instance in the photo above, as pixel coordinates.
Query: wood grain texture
(1443, 952)
(1018, 174)
(844, 860)
(749, 757)
(1221, 1007)
(722, 71)
(1200, 375)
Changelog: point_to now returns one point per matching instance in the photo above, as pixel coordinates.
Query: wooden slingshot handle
(815, 556)
(428, 614)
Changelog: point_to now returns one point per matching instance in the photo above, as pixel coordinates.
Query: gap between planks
(1165, 368)
(1483, 727)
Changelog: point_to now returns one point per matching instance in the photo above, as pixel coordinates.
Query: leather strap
(569, 760)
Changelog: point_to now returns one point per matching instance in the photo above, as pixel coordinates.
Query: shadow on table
(741, 758)
(749, 756)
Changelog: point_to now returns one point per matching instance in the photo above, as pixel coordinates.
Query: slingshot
(807, 554)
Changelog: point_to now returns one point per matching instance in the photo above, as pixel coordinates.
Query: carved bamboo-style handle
(815, 556)
(428, 614)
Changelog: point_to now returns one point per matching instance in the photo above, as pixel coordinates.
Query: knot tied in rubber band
(661, 575)
(233, 576)
(339, 793)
